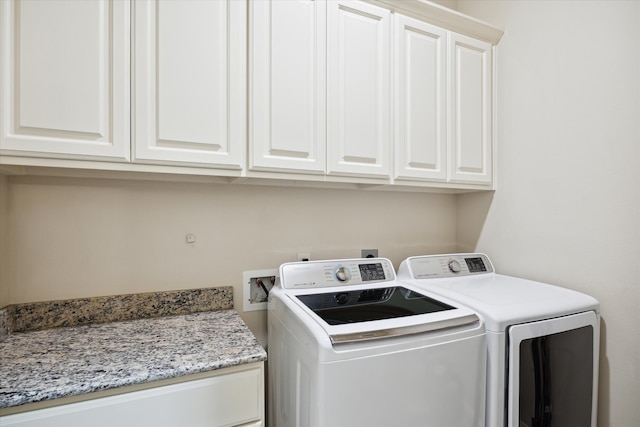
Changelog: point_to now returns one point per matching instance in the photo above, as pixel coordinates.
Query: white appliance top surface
(501, 300)
(337, 282)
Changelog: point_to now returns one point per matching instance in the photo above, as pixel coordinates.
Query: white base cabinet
(230, 397)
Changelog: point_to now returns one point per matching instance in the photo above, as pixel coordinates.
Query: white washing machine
(349, 346)
(542, 340)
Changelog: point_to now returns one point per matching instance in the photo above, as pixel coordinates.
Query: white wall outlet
(256, 286)
(369, 253)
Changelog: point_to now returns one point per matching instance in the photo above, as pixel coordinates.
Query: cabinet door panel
(359, 83)
(420, 100)
(65, 78)
(189, 82)
(470, 111)
(288, 85)
(225, 399)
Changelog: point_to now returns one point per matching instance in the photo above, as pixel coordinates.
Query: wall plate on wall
(369, 253)
(256, 286)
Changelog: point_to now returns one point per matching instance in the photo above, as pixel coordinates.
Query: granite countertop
(47, 364)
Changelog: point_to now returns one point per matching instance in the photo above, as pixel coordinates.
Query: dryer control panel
(449, 265)
(330, 273)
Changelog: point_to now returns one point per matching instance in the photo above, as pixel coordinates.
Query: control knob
(342, 298)
(454, 266)
(342, 274)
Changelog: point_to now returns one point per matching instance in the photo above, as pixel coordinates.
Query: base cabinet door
(470, 110)
(189, 82)
(64, 79)
(358, 56)
(287, 90)
(234, 398)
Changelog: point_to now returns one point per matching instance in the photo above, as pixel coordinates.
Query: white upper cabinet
(319, 88)
(358, 97)
(189, 82)
(376, 92)
(346, 117)
(470, 111)
(287, 86)
(442, 77)
(64, 79)
(420, 100)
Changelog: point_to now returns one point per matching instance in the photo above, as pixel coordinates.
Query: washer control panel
(329, 273)
(449, 265)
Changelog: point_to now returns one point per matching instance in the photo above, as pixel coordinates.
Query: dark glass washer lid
(345, 307)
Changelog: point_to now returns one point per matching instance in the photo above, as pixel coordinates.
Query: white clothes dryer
(542, 340)
(351, 347)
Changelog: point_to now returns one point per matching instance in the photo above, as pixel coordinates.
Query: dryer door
(553, 372)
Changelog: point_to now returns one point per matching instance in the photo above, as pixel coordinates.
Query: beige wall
(76, 237)
(567, 208)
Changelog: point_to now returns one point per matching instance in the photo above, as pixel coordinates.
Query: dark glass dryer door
(553, 372)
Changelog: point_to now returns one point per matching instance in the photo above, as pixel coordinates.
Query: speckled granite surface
(49, 364)
(6, 314)
(85, 311)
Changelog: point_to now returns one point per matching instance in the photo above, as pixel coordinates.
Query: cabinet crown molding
(443, 17)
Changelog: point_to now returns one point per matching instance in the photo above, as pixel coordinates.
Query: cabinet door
(287, 118)
(420, 89)
(358, 57)
(65, 78)
(470, 133)
(190, 82)
(233, 397)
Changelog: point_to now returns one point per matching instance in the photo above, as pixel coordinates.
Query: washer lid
(365, 305)
(364, 313)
